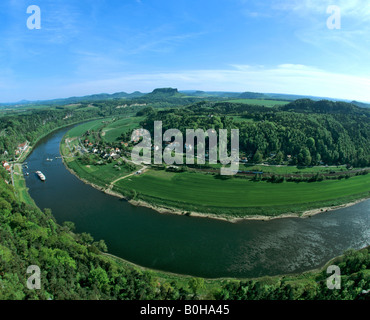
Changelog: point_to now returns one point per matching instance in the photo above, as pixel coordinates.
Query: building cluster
(6, 166)
(103, 152)
(21, 148)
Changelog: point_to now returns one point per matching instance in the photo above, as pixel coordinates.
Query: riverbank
(20, 186)
(169, 210)
(25, 154)
(171, 275)
(170, 240)
(145, 190)
(305, 214)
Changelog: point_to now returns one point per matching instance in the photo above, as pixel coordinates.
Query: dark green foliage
(72, 265)
(16, 128)
(310, 132)
(355, 278)
(323, 106)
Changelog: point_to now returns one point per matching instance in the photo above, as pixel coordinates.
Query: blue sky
(94, 46)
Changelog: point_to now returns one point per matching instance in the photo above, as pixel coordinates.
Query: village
(108, 152)
(21, 150)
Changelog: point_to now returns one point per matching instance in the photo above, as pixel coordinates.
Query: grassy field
(20, 185)
(207, 193)
(28, 108)
(91, 125)
(292, 169)
(112, 131)
(99, 175)
(260, 102)
(286, 170)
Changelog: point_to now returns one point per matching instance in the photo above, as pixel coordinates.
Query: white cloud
(285, 78)
(352, 8)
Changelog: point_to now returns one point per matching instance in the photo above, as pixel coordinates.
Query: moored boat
(41, 175)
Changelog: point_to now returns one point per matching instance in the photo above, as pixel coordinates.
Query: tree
(98, 277)
(69, 225)
(101, 245)
(304, 157)
(279, 157)
(257, 158)
(86, 238)
(195, 284)
(311, 144)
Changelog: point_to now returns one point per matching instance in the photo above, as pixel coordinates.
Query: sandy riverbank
(305, 214)
(163, 210)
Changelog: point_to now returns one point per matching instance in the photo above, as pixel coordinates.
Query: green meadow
(211, 193)
(283, 169)
(260, 102)
(20, 185)
(112, 131)
(239, 197)
(99, 175)
(91, 125)
(293, 169)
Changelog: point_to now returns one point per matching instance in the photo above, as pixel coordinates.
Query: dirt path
(143, 169)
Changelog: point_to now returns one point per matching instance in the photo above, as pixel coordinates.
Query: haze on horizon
(88, 47)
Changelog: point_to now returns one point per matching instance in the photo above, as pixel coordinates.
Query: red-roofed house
(6, 165)
(23, 146)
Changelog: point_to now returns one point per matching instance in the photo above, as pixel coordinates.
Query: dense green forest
(307, 132)
(32, 124)
(28, 123)
(73, 267)
(71, 264)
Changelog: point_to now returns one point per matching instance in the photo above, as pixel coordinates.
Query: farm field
(111, 132)
(207, 193)
(260, 102)
(285, 169)
(91, 125)
(293, 169)
(99, 175)
(20, 185)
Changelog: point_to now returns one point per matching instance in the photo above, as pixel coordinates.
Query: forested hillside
(306, 132)
(72, 267)
(71, 264)
(30, 125)
(324, 106)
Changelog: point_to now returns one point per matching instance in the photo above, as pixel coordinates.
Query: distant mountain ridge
(70, 100)
(361, 104)
(175, 95)
(164, 92)
(265, 96)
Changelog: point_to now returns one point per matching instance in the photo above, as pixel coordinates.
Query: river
(188, 245)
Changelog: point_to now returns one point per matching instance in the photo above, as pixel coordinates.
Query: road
(143, 169)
